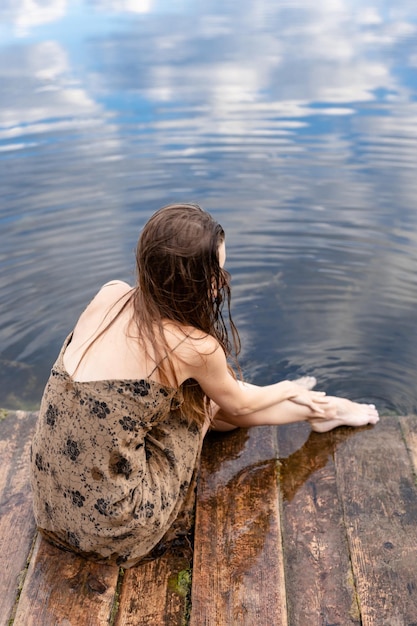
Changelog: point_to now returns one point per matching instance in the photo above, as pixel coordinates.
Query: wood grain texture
(238, 574)
(61, 589)
(156, 592)
(349, 528)
(378, 490)
(409, 428)
(318, 571)
(17, 525)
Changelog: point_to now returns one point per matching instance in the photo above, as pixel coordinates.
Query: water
(295, 124)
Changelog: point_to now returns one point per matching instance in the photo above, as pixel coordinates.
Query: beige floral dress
(113, 466)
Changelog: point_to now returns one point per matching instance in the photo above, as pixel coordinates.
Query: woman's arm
(285, 412)
(246, 405)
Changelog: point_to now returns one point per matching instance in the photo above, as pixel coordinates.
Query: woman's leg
(339, 412)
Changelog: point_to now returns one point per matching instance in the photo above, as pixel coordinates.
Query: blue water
(294, 123)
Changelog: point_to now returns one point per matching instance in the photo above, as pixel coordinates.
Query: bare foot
(347, 414)
(308, 382)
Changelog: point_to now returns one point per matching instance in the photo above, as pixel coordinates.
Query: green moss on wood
(181, 583)
(116, 599)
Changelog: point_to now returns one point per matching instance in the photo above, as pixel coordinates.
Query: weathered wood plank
(379, 495)
(409, 429)
(318, 571)
(155, 593)
(238, 576)
(17, 525)
(63, 589)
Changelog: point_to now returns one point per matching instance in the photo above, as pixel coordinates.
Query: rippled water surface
(294, 123)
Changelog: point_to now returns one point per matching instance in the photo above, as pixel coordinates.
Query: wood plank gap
(156, 592)
(22, 578)
(408, 425)
(281, 542)
(17, 524)
(115, 607)
(352, 578)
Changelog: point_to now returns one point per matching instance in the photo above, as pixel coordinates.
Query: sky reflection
(295, 124)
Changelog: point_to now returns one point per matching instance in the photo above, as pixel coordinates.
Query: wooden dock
(292, 529)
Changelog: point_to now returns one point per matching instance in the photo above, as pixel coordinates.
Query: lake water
(294, 123)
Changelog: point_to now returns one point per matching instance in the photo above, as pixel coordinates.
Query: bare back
(116, 354)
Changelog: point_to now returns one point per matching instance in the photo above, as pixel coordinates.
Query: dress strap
(65, 345)
(166, 356)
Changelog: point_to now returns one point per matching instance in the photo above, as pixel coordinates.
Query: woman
(135, 388)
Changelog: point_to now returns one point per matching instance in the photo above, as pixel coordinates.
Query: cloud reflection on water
(24, 15)
(296, 124)
(131, 6)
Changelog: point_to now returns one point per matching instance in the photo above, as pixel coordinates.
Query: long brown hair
(179, 278)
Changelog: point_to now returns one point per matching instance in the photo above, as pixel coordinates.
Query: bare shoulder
(120, 284)
(109, 299)
(203, 343)
(109, 294)
(114, 287)
(190, 345)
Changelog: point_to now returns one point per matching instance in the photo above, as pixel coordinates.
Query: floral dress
(113, 466)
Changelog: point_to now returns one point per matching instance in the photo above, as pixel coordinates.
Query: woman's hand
(316, 401)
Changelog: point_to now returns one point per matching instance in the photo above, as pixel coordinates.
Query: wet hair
(179, 278)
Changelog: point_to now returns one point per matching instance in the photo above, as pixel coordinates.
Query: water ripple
(295, 126)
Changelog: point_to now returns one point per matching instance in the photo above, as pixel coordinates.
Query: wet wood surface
(61, 588)
(378, 490)
(315, 541)
(292, 528)
(238, 573)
